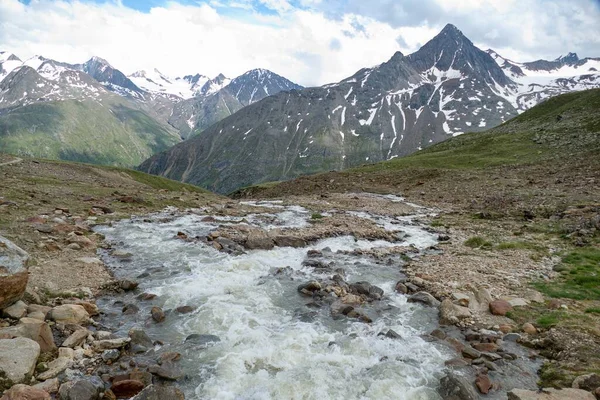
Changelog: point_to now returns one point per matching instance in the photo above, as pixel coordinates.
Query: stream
(273, 342)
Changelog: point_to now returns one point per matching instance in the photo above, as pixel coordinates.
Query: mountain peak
(98, 60)
(569, 58)
(452, 31)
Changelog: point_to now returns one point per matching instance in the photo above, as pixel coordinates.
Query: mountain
(93, 112)
(541, 79)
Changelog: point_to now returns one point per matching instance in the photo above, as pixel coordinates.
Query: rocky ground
(479, 276)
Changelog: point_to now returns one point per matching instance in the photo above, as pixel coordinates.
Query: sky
(311, 42)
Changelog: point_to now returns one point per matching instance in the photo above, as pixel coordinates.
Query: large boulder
(69, 314)
(18, 358)
(456, 387)
(78, 390)
(33, 329)
(425, 298)
(451, 313)
(154, 392)
(589, 382)
(550, 394)
(24, 392)
(13, 272)
(55, 367)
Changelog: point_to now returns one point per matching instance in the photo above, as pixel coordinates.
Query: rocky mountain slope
(95, 113)
(446, 88)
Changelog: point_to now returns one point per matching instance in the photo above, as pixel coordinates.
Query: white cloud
(312, 45)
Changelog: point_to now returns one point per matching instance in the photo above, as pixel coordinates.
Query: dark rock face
(447, 87)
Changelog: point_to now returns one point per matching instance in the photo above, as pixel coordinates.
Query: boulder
(425, 298)
(550, 394)
(589, 382)
(108, 344)
(24, 392)
(33, 329)
(451, 313)
(167, 370)
(127, 284)
(185, 309)
(140, 341)
(127, 388)
(455, 387)
(469, 352)
(486, 347)
(483, 383)
(154, 392)
(309, 287)
(78, 390)
(289, 241)
(401, 288)
(202, 340)
(256, 242)
(529, 328)
(69, 314)
(361, 288)
(76, 339)
(18, 358)
(480, 299)
(500, 307)
(15, 311)
(55, 367)
(158, 315)
(13, 272)
(49, 386)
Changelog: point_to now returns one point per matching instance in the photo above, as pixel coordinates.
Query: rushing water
(273, 344)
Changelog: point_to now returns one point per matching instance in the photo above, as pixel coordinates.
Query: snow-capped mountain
(183, 87)
(447, 87)
(541, 79)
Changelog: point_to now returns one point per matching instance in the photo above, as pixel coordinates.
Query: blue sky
(309, 41)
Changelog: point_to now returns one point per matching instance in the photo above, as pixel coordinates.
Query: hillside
(446, 88)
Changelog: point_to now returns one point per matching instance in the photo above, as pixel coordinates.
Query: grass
(477, 242)
(316, 216)
(592, 310)
(580, 276)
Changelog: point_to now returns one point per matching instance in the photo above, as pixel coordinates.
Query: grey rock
(470, 352)
(202, 340)
(155, 392)
(18, 358)
(78, 390)
(589, 382)
(76, 338)
(140, 341)
(456, 387)
(111, 355)
(550, 394)
(15, 311)
(55, 367)
(511, 337)
(424, 298)
(451, 313)
(108, 344)
(167, 370)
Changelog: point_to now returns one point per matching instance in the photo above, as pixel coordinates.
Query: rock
(36, 308)
(49, 386)
(289, 241)
(13, 272)
(455, 387)
(169, 356)
(33, 329)
(361, 288)
(158, 314)
(55, 367)
(154, 392)
(339, 308)
(127, 284)
(483, 383)
(550, 394)
(15, 311)
(140, 341)
(76, 338)
(121, 254)
(451, 313)
(425, 298)
(480, 299)
(18, 358)
(486, 347)
(111, 355)
(24, 392)
(401, 288)
(167, 370)
(461, 299)
(127, 388)
(517, 302)
(351, 299)
(511, 337)
(108, 344)
(309, 287)
(142, 376)
(470, 352)
(375, 292)
(91, 308)
(457, 362)
(78, 390)
(500, 307)
(256, 242)
(392, 334)
(129, 309)
(529, 328)
(505, 328)
(185, 309)
(69, 314)
(438, 334)
(589, 382)
(66, 352)
(202, 340)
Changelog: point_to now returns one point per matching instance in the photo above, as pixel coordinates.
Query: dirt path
(15, 161)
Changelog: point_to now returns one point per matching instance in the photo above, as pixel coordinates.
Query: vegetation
(477, 242)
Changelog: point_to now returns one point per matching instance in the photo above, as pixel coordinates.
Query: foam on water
(272, 345)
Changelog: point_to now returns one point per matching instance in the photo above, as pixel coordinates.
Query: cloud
(311, 42)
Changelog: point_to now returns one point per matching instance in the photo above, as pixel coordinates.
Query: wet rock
(483, 383)
(15, 311)
(424, 298)
(24, 392)
(158, 315)
(588, 382)
(146, 296)
(451, 313)
(457, 362)
(78, 390)
(77, 338)
(69, 314)
(91, 308)
(127, 388)
(500, 307)
(438, 334)
(486, 347)
(18, 358)
(412, 288)
(154, 392)
(360, 288)
(140, 341)
(455, 387)
(185, 309)
(351, 299)
(339, 308)
(129, 309)
(169, 356)
(289, 241)
(109, 344)
(33, 329)
(111, 355)
(13, 272)
(550, 394)
(529, 328)
(309, 287)
(55, 367)
(401, 288)
(127, 284)
(167, 370)
(511, 337)
(375, 292)
(470, 352)
(392, 334)
(255, 242)
(202, 340)
(142, 376)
